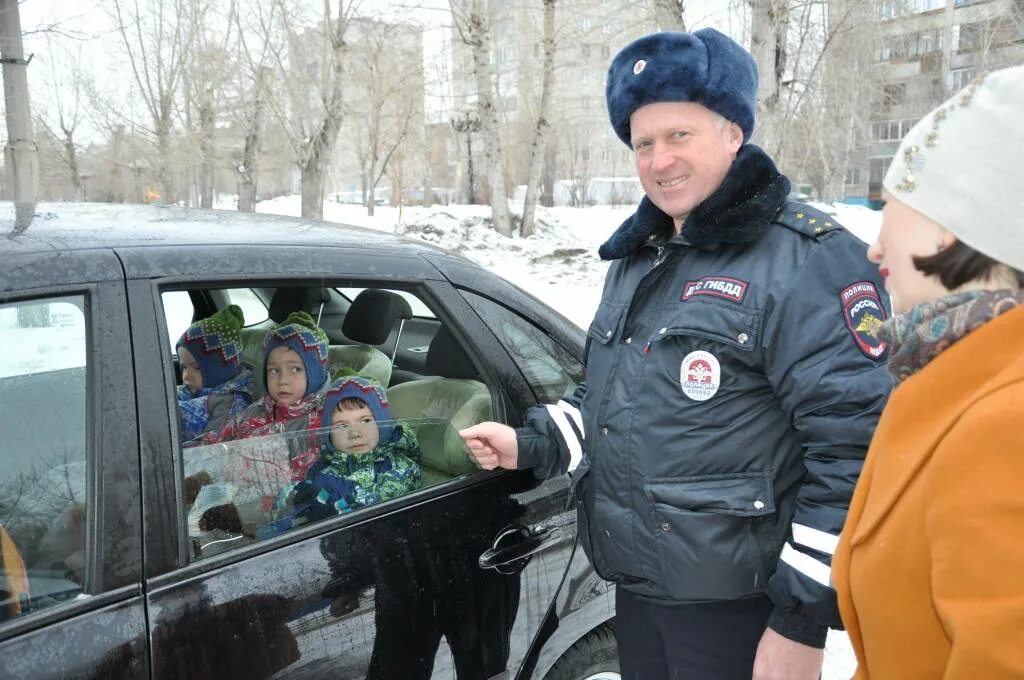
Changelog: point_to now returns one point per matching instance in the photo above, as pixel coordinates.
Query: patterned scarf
(922, 333)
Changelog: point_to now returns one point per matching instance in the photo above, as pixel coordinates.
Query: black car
(127, 554)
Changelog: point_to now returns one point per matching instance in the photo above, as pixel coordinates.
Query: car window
(44, 447)
(254, 468)
(419, 308)
(252, 307)
(178, 309)
(242, 491)
(550, 369)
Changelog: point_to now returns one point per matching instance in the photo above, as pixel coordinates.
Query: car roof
(87, 226)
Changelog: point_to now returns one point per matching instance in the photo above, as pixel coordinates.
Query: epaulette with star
(806, 220)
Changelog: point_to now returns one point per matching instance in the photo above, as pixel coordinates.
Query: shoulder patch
(807, 220)
(864, 314)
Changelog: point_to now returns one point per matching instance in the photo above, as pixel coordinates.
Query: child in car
(366, 457)
(295, 378)
(216, 386)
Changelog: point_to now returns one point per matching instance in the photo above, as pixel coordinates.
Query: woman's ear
(946, 239)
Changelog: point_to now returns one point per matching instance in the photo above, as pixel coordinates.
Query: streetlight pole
(469, 123)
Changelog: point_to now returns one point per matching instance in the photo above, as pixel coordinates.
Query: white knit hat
(962, 166)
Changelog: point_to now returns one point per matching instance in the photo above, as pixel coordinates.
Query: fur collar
(739, 211)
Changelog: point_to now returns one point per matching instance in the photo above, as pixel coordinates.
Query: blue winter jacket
(732, 387)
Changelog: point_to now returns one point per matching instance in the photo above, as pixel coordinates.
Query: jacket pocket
(706, 530)
(606, 323)
(732, 325)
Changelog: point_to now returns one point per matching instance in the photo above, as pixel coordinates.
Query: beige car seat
(440, 405)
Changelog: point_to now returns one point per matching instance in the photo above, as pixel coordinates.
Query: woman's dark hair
(960, 264)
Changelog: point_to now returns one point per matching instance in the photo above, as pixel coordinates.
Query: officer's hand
(779, 658)
(492, 445)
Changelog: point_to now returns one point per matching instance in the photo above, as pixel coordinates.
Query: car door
(71, 566)
(394, 589)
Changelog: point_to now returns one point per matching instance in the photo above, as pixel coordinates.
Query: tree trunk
(76, 178)
(248, 172)
(480, 36)
(668, 15)
(21, 154)
(540, 137)
(768, 28)
(320, 149)
(312, 180)
(163, 142)
(206, 150)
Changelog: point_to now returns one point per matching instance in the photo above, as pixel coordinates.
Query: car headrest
(373, 314)
(297, 299)
(446, 358)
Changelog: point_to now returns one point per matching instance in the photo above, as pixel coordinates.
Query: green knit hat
(216, 344)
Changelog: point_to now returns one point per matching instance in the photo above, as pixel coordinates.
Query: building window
(853, 175)
(891, 130)
(961, 77)
(585, 24)
(606, 51)
(585, 101)
(893, 95)
(585, 50)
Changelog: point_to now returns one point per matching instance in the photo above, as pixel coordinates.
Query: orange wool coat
(930, 566)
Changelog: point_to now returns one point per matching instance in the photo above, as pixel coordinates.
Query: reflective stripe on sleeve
(572, 440)
(807, 565)
(574, 413)
(815, 539)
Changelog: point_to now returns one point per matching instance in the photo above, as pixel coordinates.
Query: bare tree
(310, 66)
(668, 15)
(538, 150)
(158, 40)
(209, 68)
(388, 65)
(474, 30)
(255, 40)
(66, 83)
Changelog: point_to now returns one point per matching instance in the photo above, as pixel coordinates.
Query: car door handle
(516, 544)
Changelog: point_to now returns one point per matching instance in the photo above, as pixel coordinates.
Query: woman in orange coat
(930, 567)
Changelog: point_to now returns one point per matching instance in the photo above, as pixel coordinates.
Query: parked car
(112, 565)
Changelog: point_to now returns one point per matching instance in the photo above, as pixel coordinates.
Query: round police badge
(700, 375)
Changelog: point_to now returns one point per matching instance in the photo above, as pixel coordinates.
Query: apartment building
(925, 51)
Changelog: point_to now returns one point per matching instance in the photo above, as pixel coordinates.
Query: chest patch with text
(725, 287)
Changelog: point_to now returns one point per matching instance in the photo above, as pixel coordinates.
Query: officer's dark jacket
(732, 387)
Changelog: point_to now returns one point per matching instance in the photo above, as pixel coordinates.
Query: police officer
(732, 385)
